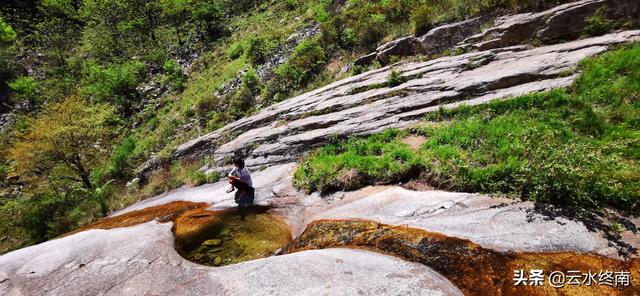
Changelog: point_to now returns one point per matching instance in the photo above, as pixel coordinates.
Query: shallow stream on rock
(229, 240)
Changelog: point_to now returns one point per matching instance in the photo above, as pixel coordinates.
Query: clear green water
(233, 240)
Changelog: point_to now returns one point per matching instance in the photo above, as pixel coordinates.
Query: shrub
(258, 50)
(243, 101)
(598, 24)
(395, 78)
(173, 75)
(115, 84)
(120, 162)
(347, 38)
(7, 34)
(306, 60)
(422, 19)
(291, 4)
(320, 13)
(372, 31)
(286, 78)
(235, 50)
(25, 89)
(309, 55)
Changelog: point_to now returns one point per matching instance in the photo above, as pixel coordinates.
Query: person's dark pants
(244, 197)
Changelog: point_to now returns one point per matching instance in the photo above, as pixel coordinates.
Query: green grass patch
(575, 147)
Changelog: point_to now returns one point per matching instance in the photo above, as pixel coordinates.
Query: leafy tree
(197, 15)
(66, 142)
(115, 84)
(112, 24)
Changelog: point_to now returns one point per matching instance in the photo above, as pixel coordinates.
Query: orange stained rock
(164, 213)
(191, 227)
(473, 269)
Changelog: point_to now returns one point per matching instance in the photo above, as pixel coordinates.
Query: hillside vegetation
(91, 89)
(577, 147)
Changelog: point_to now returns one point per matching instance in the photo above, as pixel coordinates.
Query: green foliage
(395, 78)
(575, 148)
(422, 19)
(348, 38)
(357, 162)
(258, 50)
(240, 7)
(65, 143)
(173, 75)
(115, 84)
(291, 4)
(598, 24)
(308, 54)
(25, 89)
(65, 7)
(306, 60)
(243, 100)
(321, 14)
(120, 162)
(7, 34)
(235, 50)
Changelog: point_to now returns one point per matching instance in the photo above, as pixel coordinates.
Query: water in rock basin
(230, 240)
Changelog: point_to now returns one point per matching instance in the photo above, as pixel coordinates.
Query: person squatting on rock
(240, 179)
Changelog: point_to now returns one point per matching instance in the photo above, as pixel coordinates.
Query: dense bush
(243, 101)
(258, 50)
(306, 60)
(120, 162)
(24, 88)
(598, 24)
(7, 34)
(115, 84)
(173, 76)
(395, 78)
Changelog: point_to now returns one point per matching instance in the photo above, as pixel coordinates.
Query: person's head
(238, 162)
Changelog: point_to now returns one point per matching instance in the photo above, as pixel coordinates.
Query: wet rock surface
(473, 269)
(141, 260)
(136, 252)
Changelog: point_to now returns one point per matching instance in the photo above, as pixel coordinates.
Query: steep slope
(365, 104)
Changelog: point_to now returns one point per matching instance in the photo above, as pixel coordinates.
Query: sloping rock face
(561, 22)
(363, 104)
(141, 260)
(495, 223)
